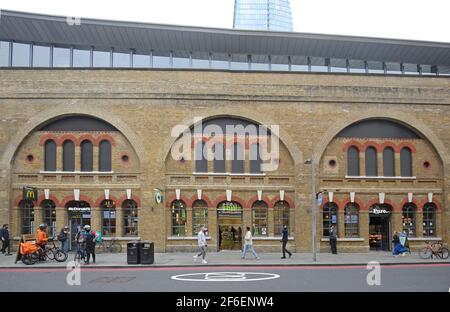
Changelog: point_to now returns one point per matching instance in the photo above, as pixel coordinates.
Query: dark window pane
(260, 218)
(130, 217)
(255, 159)
(388, 162)
(219, 158)
(351, 220)
(49, 216)
(104, 156)
(41, 56)
(409, 219)
(50, 156)
(237, 163)
(178, 218)
(78, 123)
(108, 208)
(353, 161)
(201, 163)
(26, 208)
(68, 156)
(405, 162)
(199, 215)
(371, 162)
(377, 128)
(429, 220)
(86, 156)
(329, 218)
(21, 54)
(281, 214)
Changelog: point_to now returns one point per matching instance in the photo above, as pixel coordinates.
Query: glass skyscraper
(262, 15)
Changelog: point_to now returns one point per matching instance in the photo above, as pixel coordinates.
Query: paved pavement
(231, 258)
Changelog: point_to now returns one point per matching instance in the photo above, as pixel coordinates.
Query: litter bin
(133, 256)
(147, 252)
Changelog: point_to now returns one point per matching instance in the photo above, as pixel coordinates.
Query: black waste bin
(147, 252)
(133, 249)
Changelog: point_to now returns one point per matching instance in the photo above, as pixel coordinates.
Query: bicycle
(110, 245)
(434, 249)
(81, 252)
(37, 254)
(55, 253)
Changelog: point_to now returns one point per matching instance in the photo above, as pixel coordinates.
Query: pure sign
(30, 193)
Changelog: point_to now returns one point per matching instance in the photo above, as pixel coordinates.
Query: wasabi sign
(230, 208)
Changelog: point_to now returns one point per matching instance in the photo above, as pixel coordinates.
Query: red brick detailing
(102, 198)
(52, 197)
(234, 198)
(252, 200)
(405, 201)
(106, 137)
(425, 201)
(17, 200)
(408, 145)
(66, 137)
(389, 144)
(204, 197)
(88, 137)
(47, 136)
(346, 200)
(376, 201)
(286, 199)
(69, 198)
(183, 198)
(350, 144)
(368, 144)
(120, 201)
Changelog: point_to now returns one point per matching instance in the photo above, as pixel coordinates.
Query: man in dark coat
(284, 241)
(333, 239)
(4, 234)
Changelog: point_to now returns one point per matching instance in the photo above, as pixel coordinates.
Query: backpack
(61, 237)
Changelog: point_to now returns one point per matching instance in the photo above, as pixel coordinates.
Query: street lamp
(310, 161)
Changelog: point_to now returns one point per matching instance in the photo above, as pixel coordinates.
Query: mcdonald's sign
(30, 193)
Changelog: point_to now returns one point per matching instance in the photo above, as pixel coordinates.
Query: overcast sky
(402, 19)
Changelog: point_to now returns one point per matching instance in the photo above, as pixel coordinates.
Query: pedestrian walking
(90, 239)
(248, 246)
(333, 239)
(398, 247)
(4, 234)
(63, 238)
(201, 237)
(284, 241)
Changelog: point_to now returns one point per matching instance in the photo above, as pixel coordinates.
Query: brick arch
(346, 200)
(390, 144)
(51, 197)
(105, 137)
(69, 137)
(425, 201)
(351, 143)
(234, 198)
(204, 197)
(409, 145)
(88, 137)
(393, 115)
(373, 144)
(327, 202)
(287, 199)
(405, 201)
(124, 198)
(69, 198)
(386, 201)
(254, 198)
(48, 136)
(102, 198)
(183, 198)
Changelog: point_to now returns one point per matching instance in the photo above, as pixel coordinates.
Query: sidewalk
(231, 258)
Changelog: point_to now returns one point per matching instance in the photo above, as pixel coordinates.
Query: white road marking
(225, 277)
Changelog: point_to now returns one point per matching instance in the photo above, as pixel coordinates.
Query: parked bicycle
(435, 249)
(110, 245)
(32, 253)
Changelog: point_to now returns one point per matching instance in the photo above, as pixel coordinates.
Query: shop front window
(27, 216)
(199, 215)
(330, 217)
(49, 216)
(178, 218)
(260, 218)
(130, 217)
(351, 220)
(429, 220)
(281, 211)
(108, 208)
(409, 219)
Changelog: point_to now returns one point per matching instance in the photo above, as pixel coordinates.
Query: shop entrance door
(380, 232)
(229, 222)
(76, 223)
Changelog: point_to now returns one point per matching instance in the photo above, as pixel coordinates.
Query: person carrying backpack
(63, 238)
(90, 238)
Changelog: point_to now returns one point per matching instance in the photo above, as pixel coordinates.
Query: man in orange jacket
(41, 236)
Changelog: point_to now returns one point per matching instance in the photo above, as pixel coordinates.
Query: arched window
(429, 220)
(199, 215)
(130, 217)
(50, 155)
(68, 156)
(388, 162)
(237, 163)
(281, 212)
(371, 162)
(104, 156)
(26, 208)
(108, 208)
(86, 156)
(260, 218)
(219, 158)
(201, 162)
(351, 220)
(178, 218)
(255, 158)
(49, 216)
(330, 217)
(409, 219)
(405, 162)
(353, 162)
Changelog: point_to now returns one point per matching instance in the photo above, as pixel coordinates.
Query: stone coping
(185, 238)
(356, 239)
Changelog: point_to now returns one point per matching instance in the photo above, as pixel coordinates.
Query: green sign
(30, 193)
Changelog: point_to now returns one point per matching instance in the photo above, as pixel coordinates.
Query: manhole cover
(113, 279)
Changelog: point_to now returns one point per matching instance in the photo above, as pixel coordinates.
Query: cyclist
(90, 238)
(41, 238)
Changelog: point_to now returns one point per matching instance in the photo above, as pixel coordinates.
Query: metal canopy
(143, 38)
